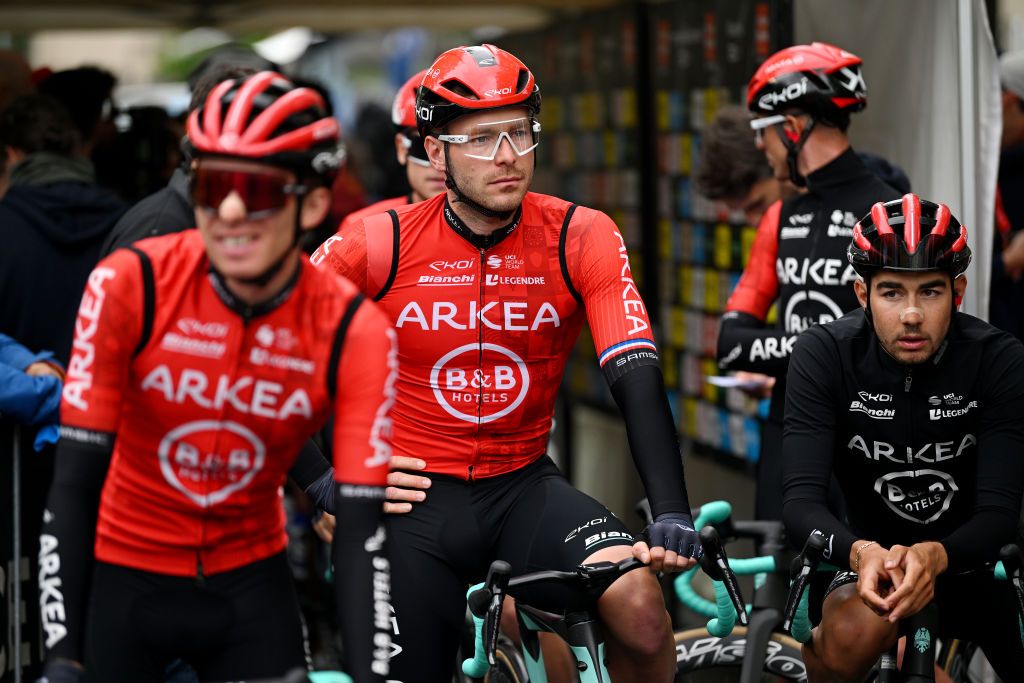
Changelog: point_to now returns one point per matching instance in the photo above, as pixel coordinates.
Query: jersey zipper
(479, 360)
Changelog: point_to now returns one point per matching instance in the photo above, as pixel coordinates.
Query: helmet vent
(524, 78)
(460, 89)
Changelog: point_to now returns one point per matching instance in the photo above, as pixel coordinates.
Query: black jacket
(165, 211)
(928, 452)
(52, 237)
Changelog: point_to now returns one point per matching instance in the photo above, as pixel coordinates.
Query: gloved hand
(675, 532)
(62, 671)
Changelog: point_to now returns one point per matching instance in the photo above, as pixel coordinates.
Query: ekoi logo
(208, 477)
(480, 383)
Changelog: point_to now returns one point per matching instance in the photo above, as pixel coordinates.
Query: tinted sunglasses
(415, 149)
(263, 191)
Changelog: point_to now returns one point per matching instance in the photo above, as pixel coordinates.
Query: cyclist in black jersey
(917, 409)
(802, 98)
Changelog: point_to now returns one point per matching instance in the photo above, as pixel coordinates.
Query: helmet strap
(793, 148)
(449, 182)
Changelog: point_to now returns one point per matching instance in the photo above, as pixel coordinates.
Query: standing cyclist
(202, 362)
(488, 286)
(917, 409)
(802, 98)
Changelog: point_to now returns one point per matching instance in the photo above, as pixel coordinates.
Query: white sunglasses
(483, 142)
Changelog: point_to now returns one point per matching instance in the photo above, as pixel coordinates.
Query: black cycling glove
(674, 531)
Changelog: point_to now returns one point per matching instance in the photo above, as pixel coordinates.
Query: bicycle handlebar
(795, 620)
(589, 580)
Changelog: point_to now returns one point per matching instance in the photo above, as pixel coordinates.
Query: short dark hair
(38, 123)
(209, 80)
(83, 92)
(730, 162)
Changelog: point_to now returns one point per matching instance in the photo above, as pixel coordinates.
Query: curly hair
(730, 163)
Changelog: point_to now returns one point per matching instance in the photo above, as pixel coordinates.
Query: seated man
(916, 407)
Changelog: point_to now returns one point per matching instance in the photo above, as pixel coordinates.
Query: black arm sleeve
(66, 543)
(807, 445)
(362, 583)
(640, 395)
(746, 343)
(314, 475)
(1000, 475)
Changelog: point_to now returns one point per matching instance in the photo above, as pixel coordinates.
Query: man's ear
(435, 152)
(401, 152)
(315, 206)
(860, 288)
(959, 287)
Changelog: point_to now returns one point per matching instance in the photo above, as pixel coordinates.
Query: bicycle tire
(698, 650)
(509, 665)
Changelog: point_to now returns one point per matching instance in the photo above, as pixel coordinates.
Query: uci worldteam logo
(209, 460)
(480, 383)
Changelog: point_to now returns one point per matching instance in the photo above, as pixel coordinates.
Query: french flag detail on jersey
(622, 347)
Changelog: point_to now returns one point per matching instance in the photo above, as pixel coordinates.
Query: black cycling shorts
(532, 518)
(240, 624)
(975, 607)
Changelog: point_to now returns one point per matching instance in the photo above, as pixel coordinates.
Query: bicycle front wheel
(509, 665)
(698, 650)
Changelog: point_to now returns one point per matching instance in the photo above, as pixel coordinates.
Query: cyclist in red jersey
(424, 180)
(488, 286)
(202, 362)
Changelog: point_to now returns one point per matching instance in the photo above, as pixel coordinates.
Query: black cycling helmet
(821, 79)
(909, 234)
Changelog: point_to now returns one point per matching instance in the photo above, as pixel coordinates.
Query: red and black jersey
(798, 263)
(206, 402)
(486, 323)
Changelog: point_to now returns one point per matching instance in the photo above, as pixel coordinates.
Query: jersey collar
(249, 311)
(477, 240)
(837, 173)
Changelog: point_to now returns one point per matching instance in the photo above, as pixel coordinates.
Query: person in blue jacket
(30, 386)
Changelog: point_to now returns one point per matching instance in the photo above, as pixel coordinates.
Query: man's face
(762, 194)
(1013, 120)
(424, 180)
(499, 183)
(244, 214)
(911, 311)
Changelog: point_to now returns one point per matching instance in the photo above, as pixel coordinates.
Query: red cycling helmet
(403, 111)
(266, 118)
(909, 234)
(468, 79)
(823, 80)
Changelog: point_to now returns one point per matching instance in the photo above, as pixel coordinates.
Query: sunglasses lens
(261, 192)
(416, 148)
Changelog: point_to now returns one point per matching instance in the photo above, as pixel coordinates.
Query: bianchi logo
(208, 477)
(922, 640)
(875, 413)
(728, 651)
(480, 383)
(791, 233)
(918, 495)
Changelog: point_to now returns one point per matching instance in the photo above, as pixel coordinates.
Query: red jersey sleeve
(367, 372)
(362, 251)
(604, 280)
(759, 285)
(107, 330)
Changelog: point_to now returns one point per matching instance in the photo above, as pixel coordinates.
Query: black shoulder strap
(339, 342)
(394, 257)
(148, 298)
(561, 254)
